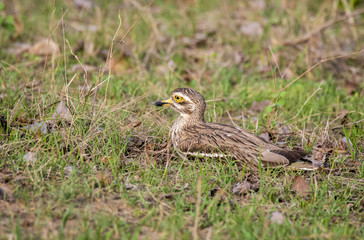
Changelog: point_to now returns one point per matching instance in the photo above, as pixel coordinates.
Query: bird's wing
(224, 140)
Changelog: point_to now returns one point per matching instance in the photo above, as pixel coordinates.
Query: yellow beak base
(165, 102)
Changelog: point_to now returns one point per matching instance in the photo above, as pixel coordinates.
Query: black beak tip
(158, 103)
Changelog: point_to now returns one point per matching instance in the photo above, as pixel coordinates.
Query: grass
(107, 173)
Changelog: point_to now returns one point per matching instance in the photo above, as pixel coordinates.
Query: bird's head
(188, 102)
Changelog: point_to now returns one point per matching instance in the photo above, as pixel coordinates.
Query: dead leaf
(62, 112)
(241, 188)
(30, 157)
(258, 107)
(208, 22)
(318, 155)
(353, 83)
(265, 136)
(6, 194)
(118, 65)
(284, 130)
(133, 187)
(288, 73)
(277, 217)
(300, 186)
(106, 160)
(19, 26)
(343, 115)
(82, 68)
(104, 177)
(258, 5)
(190, 200)
(83, 28)
(18, 48)
(85, 90)
(68, 170)
(199, 40)
(44, 47)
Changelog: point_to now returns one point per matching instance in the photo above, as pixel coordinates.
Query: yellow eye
(178, 99)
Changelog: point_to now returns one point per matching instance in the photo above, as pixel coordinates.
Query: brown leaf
(6, 194)
(19, 26)
(265, 136)
(18, 48)
(300, 186)
(257, 5)
(44, 47)
(241, 188)
(190, 200)
(105, 177)
(82, 68)
(106, 160)
(199, 40)
(288, 73)
(257, 107)
(119, 65)
(68, 170)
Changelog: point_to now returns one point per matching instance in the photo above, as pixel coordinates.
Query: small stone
(30, 157)
(35, 127)
(62, 112)
(68, 170)
(277, 217)
(346, 143)
(129, 186)
(253, 29)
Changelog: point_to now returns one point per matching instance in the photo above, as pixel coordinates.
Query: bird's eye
(178, 99)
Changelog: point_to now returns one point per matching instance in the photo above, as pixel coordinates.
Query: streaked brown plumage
(191, 135)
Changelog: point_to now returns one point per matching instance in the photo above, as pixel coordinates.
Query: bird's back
(214, 139)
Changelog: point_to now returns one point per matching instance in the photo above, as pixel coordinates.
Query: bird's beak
(165, 102)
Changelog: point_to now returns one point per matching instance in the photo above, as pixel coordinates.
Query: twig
(348, 124)
(318, 63)
(168, 160)
(327, 24)
(135, 22)
(351, 19)
(198, 205)
(232, 121)
(318, 89)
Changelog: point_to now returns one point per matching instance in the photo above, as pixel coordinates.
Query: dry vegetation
(84, 154)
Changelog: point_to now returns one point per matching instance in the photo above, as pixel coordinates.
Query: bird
(191, 135)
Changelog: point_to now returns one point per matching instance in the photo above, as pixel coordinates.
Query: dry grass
(291, 71)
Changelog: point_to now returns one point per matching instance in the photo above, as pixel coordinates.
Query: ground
(85, 154)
